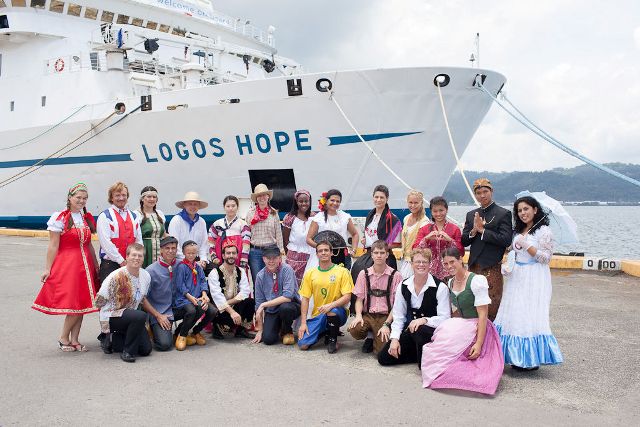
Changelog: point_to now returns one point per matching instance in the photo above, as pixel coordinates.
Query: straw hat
(192, 196)
(259, 190)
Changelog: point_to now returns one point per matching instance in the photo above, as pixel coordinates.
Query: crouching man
(375, 293)
(421, 304)
(331, 286)
(277, 302)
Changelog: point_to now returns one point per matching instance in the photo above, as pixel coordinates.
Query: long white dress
(523, 317)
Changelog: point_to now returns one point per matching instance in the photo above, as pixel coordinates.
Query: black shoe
(521, 369)
(127, 357)
(332, 347)
(105, 344)
(367, 345)
(242, 332)
(216, 334)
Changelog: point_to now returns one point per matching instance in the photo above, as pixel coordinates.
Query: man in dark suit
(488, 232)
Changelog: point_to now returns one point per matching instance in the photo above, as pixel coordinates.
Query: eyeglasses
(420, 262)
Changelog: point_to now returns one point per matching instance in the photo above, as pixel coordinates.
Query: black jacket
(488, 249)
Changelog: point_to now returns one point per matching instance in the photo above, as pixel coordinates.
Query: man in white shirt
(230, 291)
(188, 225)
(117, 228)
(421, 304)
(122, 324)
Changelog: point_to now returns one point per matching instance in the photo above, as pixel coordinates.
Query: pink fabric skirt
(445, 363)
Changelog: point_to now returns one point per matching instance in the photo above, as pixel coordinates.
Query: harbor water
(604, 231)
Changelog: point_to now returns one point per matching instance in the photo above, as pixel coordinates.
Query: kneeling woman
(465, 353)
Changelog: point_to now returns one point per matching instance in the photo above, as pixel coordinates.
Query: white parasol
(564, 228)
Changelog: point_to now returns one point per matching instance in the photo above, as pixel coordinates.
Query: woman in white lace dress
(523, 317)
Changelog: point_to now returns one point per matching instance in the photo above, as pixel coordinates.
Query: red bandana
(168, 266)
(275, 283)
(261, 215)
(194, 272)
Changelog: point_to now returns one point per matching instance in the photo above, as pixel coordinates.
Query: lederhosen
(378, 292)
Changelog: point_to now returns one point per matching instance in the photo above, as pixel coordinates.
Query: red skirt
(71, 285)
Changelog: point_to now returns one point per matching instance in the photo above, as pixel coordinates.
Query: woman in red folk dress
(70, 276)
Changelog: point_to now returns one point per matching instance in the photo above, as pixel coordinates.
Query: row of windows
(12, 104)
(92, 13)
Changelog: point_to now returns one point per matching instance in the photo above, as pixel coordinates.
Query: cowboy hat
(192, 196)
(259, 190)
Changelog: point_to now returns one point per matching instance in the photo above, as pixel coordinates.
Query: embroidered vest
(223, 285)
(126, 227)
(465, 300)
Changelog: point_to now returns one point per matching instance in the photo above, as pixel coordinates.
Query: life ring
(59, 65)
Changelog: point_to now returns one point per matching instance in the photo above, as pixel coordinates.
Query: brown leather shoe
(288, 339)
(191, 340)
(200, 339)
(181, 343)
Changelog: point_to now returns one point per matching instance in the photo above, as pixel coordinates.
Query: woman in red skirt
(70, 276)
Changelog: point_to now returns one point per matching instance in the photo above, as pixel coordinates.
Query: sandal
(79, 347)
(67, 348)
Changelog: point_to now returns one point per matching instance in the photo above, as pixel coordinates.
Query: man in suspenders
(117, 228)
(375, 293)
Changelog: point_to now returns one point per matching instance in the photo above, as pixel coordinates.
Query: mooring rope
(544, 135)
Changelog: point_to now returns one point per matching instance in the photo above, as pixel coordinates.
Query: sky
(573, 67)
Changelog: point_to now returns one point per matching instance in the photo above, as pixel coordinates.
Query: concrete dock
(593, 315)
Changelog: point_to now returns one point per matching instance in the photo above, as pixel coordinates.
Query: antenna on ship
(476, 58)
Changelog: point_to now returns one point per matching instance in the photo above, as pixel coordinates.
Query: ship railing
(63, 64)
(243, 27)
(151, 67)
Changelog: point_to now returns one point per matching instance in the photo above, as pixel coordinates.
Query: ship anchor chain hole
(441, 80)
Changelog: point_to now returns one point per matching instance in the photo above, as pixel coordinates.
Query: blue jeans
(255, 262)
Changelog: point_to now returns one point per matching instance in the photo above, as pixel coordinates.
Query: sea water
(606, 231)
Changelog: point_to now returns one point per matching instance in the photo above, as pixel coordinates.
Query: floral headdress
(322, 201)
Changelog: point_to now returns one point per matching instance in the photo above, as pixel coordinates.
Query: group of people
(164, 286)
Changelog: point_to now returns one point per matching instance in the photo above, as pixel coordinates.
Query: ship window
(282, 181)
(152, 25)
(2, 4)
(90, 13)
(19, 3)
(123, 19)
(12, 105)
(137, 22)
(56, 6)
(164, 28)
(179, 32)
(107, 16)
(4, 21)
(38, 3)
(43, 99)
(74, 9)
(93, 58)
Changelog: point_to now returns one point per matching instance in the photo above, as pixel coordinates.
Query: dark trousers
(245, 308)
(106, 268)
(162, 339)
(410, 347)
(190, 314)
(129, 334)
(496, 282)
(279, 321)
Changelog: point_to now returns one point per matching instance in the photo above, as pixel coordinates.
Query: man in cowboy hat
(159, 299)
(188, 225)
(277, 302)
(488, 231)
(265, 227)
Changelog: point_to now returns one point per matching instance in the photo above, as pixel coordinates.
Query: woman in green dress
(152, 222)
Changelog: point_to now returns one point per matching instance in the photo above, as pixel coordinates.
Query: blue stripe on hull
(352, 139)
(77, 160)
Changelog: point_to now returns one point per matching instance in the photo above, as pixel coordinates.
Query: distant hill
(569, 185)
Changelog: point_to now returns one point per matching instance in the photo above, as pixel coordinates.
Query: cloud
(567, 67)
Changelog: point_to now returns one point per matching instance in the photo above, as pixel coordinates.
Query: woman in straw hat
(69, 282)
(265, 227)
(188, 225)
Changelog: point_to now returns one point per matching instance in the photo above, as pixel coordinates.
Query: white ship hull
(211, 147)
